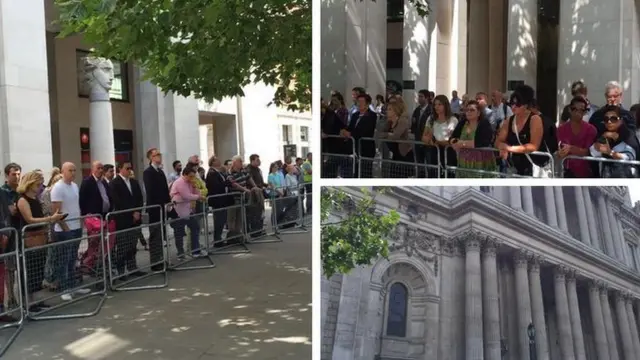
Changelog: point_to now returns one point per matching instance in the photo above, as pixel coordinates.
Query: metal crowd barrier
(306, 204)
(68, 272)
(599, 160)
(123, 256)
(196, 250)
(258, 215)
(388, 168)
(228, 242)
(488, 173)
(11, 310)
(339, 164)
(288, 211)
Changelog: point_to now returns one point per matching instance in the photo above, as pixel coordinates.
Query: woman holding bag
(30, 212)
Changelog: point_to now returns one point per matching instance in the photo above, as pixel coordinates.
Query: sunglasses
(611, 118)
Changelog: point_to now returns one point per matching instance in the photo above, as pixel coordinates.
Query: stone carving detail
(535, 262)
(596, 285)
(620, 191)
(571, 274)
(490, 247)
(560, 272)
(521, 258)
(415, 242)
(98, 75)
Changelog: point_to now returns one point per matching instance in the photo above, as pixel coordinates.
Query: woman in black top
(30, 212)
(522, 133)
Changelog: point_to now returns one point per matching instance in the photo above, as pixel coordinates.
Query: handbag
(35, 238)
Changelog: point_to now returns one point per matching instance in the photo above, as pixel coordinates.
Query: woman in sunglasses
(472, 133)
(614, 144)
(522, 134)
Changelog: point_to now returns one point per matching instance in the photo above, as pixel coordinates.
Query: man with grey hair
(613, 95)
(240, 183)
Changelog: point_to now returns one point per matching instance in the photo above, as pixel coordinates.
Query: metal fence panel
(123, 266)
(61, 262)
(339, 160)
(306, 204)
(421, 161)
(11, 308)
(288, 211)
(484, 154)
(222, 208)
(188, 227)
(630, 165)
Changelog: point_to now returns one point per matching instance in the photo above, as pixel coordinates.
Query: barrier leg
(233, 242)
(10, 266)
(72, 280)
(197, 251)
(125, 272)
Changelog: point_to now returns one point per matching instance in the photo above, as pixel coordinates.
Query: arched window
(397, 312)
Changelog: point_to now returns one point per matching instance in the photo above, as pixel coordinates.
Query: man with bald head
(95, 196)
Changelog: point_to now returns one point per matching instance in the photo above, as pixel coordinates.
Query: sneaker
(66, 297)
(200, 253)
(82, 291)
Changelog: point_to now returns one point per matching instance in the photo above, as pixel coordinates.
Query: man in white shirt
(65, 198)
(501, 110)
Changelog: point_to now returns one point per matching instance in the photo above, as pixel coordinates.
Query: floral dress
(474, 159)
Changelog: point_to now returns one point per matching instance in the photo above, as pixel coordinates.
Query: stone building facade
(473, 270)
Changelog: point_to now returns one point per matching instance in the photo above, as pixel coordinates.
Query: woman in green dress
(472, 133)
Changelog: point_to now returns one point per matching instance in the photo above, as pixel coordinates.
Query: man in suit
(218, 189)
(126, 194)
(95, 196)
(157, 189)
(362, 124)
(418, 123)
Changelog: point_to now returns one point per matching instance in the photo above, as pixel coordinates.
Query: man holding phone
(65, 198)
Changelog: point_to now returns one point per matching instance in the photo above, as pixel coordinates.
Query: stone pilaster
(514, 197)
(604, 220)
(550, 206)
(562, 314)
(608, 323)
(537, 309)
(458, 317)
(628, 347)
(593, 230)
(527, 200)
(615, 233)
(574, 314)
(560, 209)
(582, 216)
(602, 347)
(523, 302)
(633, 325)
(491, 307)
(447, 305)
(473, 297)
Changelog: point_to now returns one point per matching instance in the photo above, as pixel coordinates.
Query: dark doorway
(547, 72)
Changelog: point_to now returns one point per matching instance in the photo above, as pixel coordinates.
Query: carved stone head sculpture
(98, 74)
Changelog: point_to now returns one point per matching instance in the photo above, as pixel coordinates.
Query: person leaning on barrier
(183, 192)
(157, 190)
(334, 149)
(49, 282)
(7, 245)
(29, 213)
(126, 194)
(217, 187)
(575, 137)
(362, 124)
(240, 182)
(473, 132)
(399, 130)
(614, 144)
(437, 132)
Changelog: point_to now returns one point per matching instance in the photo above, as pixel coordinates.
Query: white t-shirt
(442, 130)
(69, 196)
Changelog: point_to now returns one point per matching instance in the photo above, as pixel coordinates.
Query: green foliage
(423, 7)
(207, 48)
(359, 237)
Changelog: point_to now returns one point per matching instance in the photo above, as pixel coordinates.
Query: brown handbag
(35, 238)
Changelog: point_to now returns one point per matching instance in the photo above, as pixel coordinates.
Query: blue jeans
(179, 233)
(64, 258)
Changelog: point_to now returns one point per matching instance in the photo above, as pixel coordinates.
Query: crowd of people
(504, 135)
(112, 200)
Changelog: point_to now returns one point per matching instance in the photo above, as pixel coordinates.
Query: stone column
(615, 233)
(523, 302)
(98, 76)
(576, 321)
(633, 325)
(608, 323)
(522, 35)
(458, 318)
(560, 209)
(602, 347)
(591, 218)
(416, 60)
(514, 197)
(527, 200)
(491, 307)
(511, 335)
(473, 296)
(602, 213)
(582, 216)
(537, 309)
(628, 347)
(550, 204)
(447, 307)
(562, 314)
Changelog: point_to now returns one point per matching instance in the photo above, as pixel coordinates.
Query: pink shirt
(584, 139)
(182, 193)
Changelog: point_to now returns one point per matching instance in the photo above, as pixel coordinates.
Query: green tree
(423, 7)
(359, 237)
(206, 48)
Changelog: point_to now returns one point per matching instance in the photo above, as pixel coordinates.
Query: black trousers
(219, 221)
(155, 244)
(126, 248)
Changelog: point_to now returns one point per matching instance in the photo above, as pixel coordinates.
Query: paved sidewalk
(252, 306)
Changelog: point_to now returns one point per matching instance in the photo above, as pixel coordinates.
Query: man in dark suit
(362, 124)
(157, 189)
(126, 194)
(218, 189)
(418, 123)
(95, 196)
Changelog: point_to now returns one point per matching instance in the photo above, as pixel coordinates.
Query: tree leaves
(423, 7)
(359, 237)
(207, 48)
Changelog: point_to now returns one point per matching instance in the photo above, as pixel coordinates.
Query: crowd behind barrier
(91, 265)
(353, 165)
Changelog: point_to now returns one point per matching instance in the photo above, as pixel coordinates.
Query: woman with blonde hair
(403, 154)
(54, 176)
(49, 282)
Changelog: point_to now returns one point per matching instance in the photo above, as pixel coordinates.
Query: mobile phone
(602, 140)
(64, 216)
